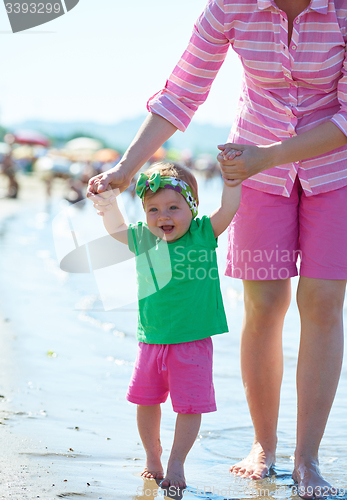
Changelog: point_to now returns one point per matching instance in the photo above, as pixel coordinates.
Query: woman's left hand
(250, 161)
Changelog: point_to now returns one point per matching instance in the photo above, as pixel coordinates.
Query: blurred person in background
(9, 170)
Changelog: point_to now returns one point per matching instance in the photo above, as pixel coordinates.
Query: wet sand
(20, 477)
(25, 469)
(30, 464)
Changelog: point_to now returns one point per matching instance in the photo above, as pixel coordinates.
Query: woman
(291, 129)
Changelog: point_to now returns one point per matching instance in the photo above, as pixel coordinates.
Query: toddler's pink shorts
(270, 232)
(183, 370)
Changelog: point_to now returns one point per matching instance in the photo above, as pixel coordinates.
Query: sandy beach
(66, 429)
(18, 478)
(25, 469)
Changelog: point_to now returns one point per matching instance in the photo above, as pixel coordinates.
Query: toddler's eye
(153, 209)
(173, 207)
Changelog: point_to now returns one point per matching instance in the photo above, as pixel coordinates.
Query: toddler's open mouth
(167, 229)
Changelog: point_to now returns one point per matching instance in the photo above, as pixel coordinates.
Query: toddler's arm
(221, 218)
(113, 218)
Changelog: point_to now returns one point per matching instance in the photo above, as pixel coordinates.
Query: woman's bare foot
(256, 465)
(310, 481)
(153, 468)
(174, 475)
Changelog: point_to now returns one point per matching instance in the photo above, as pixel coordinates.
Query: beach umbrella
(106, 155)
(82, 148)
(83, 144)
(30, 137)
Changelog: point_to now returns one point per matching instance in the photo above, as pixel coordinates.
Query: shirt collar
(264, 4)
(320, 6)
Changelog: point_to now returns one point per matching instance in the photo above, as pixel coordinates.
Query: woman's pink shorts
(270, 232)
(183, 370)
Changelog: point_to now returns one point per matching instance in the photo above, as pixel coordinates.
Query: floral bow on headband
(156, 181)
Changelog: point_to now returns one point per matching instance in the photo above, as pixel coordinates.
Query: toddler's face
(168, 214)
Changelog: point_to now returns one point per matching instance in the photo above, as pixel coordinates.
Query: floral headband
(156, 181)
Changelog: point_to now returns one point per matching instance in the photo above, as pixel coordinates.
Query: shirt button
(294, 47)
(297, 21)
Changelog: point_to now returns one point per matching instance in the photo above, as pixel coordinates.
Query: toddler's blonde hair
(172, 169)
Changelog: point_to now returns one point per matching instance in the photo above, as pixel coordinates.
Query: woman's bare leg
(266, 303)
(319, 365)
(186, 431)
(148, 423)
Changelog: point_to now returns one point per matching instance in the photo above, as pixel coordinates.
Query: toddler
(180, 306)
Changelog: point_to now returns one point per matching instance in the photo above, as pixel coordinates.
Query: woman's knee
(267, 302)
(321, 301)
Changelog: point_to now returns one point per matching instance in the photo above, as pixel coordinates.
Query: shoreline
(23, 474)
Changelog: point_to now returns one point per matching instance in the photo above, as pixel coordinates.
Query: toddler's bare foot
(310, 481)
(174, 475)
(153, 468)
(152, 473)
(256, 465)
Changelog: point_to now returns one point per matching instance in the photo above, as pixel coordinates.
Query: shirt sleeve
(340, 118)
(202, 230)
(132, 230)
(191, 80)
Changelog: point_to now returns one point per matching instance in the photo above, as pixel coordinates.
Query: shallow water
(73, 362)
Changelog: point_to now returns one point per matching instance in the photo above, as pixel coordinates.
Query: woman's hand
(241, 161)
(113, 179)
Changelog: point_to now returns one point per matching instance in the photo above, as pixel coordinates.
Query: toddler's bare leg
(148, 423)
(187, 428)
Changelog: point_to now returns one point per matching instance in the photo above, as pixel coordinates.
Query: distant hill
(199, 138)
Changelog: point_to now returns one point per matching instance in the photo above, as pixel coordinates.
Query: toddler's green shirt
(178, 285)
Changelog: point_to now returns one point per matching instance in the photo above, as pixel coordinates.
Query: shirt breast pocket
(319, 59)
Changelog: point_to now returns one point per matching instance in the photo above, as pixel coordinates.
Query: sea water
(73, 361)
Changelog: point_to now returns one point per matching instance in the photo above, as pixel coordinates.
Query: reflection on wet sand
(151, 489)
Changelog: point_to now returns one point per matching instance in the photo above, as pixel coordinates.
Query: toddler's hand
(103, 201)
(227, 152)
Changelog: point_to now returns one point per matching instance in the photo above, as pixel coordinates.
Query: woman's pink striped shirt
(286, 90)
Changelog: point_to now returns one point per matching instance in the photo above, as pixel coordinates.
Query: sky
(101, 62)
